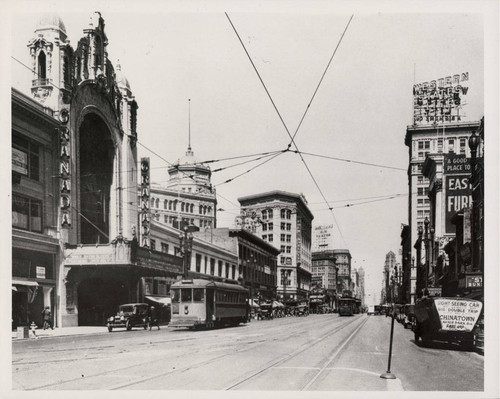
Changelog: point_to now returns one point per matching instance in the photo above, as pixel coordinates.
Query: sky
(360, 112)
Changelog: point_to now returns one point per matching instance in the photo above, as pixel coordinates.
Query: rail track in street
(154, 369)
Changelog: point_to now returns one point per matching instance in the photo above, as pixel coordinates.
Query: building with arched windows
(74, 149)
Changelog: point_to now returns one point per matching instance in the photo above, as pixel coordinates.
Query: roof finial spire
(189, 152)
(189, 142)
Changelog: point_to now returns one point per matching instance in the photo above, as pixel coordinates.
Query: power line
(249, 170)
(244, 162)
(321, 80)
(352, 161)
(286, 128)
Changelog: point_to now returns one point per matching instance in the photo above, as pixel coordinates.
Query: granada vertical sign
(457, 170)
(144, 202)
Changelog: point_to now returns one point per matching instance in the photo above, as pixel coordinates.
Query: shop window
(26, 213)
(25, 157)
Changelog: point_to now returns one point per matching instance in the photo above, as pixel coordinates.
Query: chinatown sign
(441, 100)
(458, 189)
(458, 314)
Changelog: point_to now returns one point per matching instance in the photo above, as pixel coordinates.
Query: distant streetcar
(200, 303)
(346, 306)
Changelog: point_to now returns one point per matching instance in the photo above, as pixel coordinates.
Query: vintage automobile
(129, 315)
(409, 318)
(449, 320)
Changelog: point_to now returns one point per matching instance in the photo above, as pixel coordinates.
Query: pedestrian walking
(47, 318)
(153, 318)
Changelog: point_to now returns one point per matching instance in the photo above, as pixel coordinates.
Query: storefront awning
(253, 303)
(277, 304)
(162, 300)
(14, 288)
(25, 282)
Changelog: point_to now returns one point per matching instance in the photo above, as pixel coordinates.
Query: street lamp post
(419, 260)
(427, 252)
(186, 240)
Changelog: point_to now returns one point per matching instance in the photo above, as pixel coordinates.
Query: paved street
(318, 352)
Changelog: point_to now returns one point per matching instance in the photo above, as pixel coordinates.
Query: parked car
(409, 319)
(128, 316)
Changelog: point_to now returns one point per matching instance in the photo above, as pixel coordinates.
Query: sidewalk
(62, 331)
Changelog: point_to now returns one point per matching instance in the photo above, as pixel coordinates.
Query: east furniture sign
(456, 173)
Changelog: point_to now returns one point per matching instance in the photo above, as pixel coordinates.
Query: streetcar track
(298, 351)
(250, 346)
(331, 358)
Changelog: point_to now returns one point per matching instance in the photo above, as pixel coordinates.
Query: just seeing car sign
(458, 314)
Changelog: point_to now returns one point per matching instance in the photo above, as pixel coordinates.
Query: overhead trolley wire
(292, 141)
(322, 77)
(351, 161)
(253, 168)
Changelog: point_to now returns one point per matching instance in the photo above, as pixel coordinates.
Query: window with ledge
(153, 244)
(26, 213)
(270, 238)
(164, 248)
(198, 263)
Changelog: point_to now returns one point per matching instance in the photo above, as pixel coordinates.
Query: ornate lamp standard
(186, 240)
(428, 239)
(420, 231)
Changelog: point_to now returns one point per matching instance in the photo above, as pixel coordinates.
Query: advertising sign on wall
(458, 314)
(19, 161)
(458, 189)
(441, 100)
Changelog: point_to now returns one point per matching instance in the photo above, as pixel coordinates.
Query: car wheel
(128, 325)
(110, 328)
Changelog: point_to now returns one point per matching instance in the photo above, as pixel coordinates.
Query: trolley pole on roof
(186, 239)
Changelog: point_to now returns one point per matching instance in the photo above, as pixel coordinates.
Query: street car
(128, 316)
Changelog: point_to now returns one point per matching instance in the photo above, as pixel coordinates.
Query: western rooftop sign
(440, 101)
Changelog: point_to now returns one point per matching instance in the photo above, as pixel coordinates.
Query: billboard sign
(458, 189)
(458, 314)
(441, 100)
(323, 238)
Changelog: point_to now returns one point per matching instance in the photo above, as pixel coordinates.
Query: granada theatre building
(100, 257)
